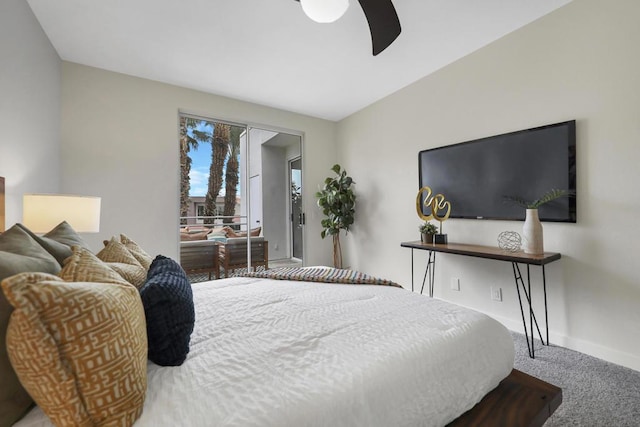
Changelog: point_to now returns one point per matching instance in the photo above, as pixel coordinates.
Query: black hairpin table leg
(430, 272)
(526, 290)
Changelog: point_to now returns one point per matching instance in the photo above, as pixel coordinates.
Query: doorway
(271, 176)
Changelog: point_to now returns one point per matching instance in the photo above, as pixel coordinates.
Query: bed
(287, 351)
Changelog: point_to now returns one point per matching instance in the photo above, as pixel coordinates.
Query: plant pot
(426, 238)
(532, 237)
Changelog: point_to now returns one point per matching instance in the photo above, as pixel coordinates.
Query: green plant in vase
(427, 231)
(532, 237)
(547, 197)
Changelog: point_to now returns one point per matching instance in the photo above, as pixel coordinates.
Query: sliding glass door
(237, 180)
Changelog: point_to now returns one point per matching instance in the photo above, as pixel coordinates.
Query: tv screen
(476, 176)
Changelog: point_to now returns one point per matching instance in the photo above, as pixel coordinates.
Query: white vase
(532, 241)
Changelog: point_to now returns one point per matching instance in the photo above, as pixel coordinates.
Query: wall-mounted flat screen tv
(475, 176)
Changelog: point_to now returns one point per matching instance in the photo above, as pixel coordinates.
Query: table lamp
(42, 212)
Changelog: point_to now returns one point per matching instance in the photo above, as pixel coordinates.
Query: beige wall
(580, 63)
(29, 107)
(120, 142)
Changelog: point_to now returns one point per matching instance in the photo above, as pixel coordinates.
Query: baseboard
(628, 360)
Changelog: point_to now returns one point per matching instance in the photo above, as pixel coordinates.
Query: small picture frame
(440, 239)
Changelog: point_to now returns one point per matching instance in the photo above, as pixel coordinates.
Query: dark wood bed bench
(520, 400)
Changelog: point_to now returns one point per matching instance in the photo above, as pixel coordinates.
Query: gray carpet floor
(595, 393)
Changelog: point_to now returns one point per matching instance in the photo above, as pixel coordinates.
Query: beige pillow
(187, 237)
(80, 349)
(83, 266)
(138, 253)
(19, 252)
(118, 257)
(232, 233)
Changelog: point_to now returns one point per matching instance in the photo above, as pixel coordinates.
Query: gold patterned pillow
(83, 266)
(79, 349)
(118, 257)
(138, 253)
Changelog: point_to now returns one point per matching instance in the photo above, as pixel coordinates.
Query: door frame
(301, 137)
(248, 125)
(289, 207)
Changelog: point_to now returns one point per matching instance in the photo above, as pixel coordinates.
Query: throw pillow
(232, 233)
(168, 305)
(218, 232)
(65, 234)
(187, 237)
(138, 253)
(118, 257)
(19, 252)
(83, 266)
(60, 251)
(216, 238)
(78, 348)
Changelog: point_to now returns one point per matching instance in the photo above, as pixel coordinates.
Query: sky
(199, 175)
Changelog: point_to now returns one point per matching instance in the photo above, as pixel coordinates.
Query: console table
(490, 252)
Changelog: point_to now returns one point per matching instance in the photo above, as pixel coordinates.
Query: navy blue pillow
(168, 306)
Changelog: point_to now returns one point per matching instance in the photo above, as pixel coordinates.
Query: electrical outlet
(455, 284)
(496, 294)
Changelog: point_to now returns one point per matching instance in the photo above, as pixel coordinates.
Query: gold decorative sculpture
(436, 204)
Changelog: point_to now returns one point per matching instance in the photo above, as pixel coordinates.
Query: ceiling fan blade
(383, 23)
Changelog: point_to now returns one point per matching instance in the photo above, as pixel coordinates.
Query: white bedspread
(280, 353)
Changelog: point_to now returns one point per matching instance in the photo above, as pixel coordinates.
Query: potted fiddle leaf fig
(427, 231)
(337, 201)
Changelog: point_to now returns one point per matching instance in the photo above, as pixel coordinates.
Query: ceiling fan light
(324, 11)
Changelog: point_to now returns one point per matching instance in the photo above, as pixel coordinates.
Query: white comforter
(280, 353)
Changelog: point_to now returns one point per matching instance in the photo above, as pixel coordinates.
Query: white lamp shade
(42, 212)
(324, 11)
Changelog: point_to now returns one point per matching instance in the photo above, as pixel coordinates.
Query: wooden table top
(488, 252)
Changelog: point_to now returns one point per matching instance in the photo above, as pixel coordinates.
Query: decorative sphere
(509, 241)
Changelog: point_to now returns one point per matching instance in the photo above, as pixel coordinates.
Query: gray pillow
(60, 251)
(63, 233)
(19, 252)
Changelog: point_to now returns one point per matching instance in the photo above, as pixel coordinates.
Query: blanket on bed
(277, 353)
(322, 274)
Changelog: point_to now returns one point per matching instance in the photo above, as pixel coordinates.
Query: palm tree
(232, 174)
(187, 143)
(219, 149)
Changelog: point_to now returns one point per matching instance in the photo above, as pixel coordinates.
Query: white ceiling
(268, 52)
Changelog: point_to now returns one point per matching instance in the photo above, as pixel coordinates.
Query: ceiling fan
(381, 15)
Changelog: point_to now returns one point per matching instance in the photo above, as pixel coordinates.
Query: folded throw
(322, 274)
